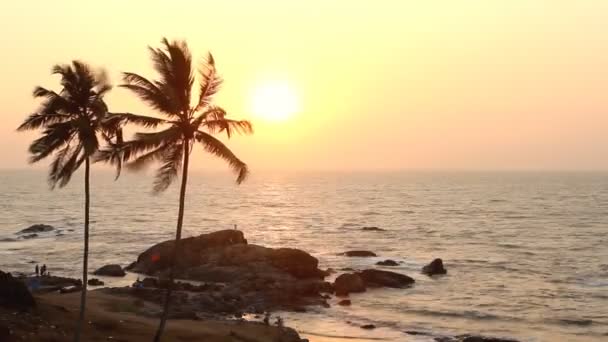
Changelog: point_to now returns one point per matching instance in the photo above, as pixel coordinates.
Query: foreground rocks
(253, 278)
(112, 270)
(14, 293)
(435, 267)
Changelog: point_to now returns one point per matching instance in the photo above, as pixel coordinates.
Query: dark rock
(296, 262)
(95, 282)
(14, 293)
(150, 282)
(368, 326)
(344, 302)
(157, 257)
(29, 236)
(359, 254)
(112, 270)
(37, 228)
(5, 333)
(387, 262)
(348, 283)
(378, 278)
(373, 229)
(435, 267)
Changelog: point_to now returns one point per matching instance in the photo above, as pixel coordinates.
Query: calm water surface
(527, 253)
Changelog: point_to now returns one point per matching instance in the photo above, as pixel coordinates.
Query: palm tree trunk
(178, 236)
(85, 259)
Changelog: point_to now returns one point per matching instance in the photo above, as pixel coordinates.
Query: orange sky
(390, 84)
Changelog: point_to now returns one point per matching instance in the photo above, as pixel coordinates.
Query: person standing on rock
(43, 270)
(37, 270)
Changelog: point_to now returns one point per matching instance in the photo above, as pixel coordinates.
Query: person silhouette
(43, 270)
(37, 270)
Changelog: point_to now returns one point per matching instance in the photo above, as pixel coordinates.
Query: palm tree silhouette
(72, 122)
(186, 124)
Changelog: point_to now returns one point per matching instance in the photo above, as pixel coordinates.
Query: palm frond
(214, 119)
(65, 164)
(150, 93)
(37, 120)
(171, 164)
(143, 142)
(143, 160)
(54, 136)
(210, 82)
(174, 65)
(121, 119)
(218, 149)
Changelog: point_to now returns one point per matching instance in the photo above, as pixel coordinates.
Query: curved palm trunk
(178, 236)
(85, 259)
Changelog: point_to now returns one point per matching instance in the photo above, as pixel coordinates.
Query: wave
(468, 314)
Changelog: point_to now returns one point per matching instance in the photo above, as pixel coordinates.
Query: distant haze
(392, 84)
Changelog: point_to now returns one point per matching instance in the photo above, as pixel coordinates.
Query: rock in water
(37, 228)
(95, 282)
(373, 229)
(360, 254)
(157, 257)
(348, 283)
(112, 270)
(387, 262)
(344, 302)
(378, 278)
(368, 326)
(435, 267)
(14, 293)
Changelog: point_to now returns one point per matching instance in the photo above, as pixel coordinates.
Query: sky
(380, 85)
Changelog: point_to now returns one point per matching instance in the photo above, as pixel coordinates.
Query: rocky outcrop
(14, 293)
(348, 283)
(112, 270)
(193, 251)
(359, 254)
(379, 278)
(435, 267)
(260, 277)
(387, 262)
(37, 228)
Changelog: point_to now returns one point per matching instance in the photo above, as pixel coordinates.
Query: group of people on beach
(41, 271)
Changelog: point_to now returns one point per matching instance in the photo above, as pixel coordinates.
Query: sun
(274, 101)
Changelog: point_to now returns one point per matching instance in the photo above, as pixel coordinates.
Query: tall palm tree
(185, 124)
(72, 122)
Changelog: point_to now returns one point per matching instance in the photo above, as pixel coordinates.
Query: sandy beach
(114, 318)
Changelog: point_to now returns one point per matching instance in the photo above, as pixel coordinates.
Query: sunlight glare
(274, 101)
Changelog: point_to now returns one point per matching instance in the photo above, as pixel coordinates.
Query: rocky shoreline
(225, 276)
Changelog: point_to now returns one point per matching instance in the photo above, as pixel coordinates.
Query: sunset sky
(387, 84)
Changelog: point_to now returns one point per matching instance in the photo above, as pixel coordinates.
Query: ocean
(526, 252)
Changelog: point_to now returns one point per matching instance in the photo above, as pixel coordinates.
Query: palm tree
(185, 125)
(72, 122)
